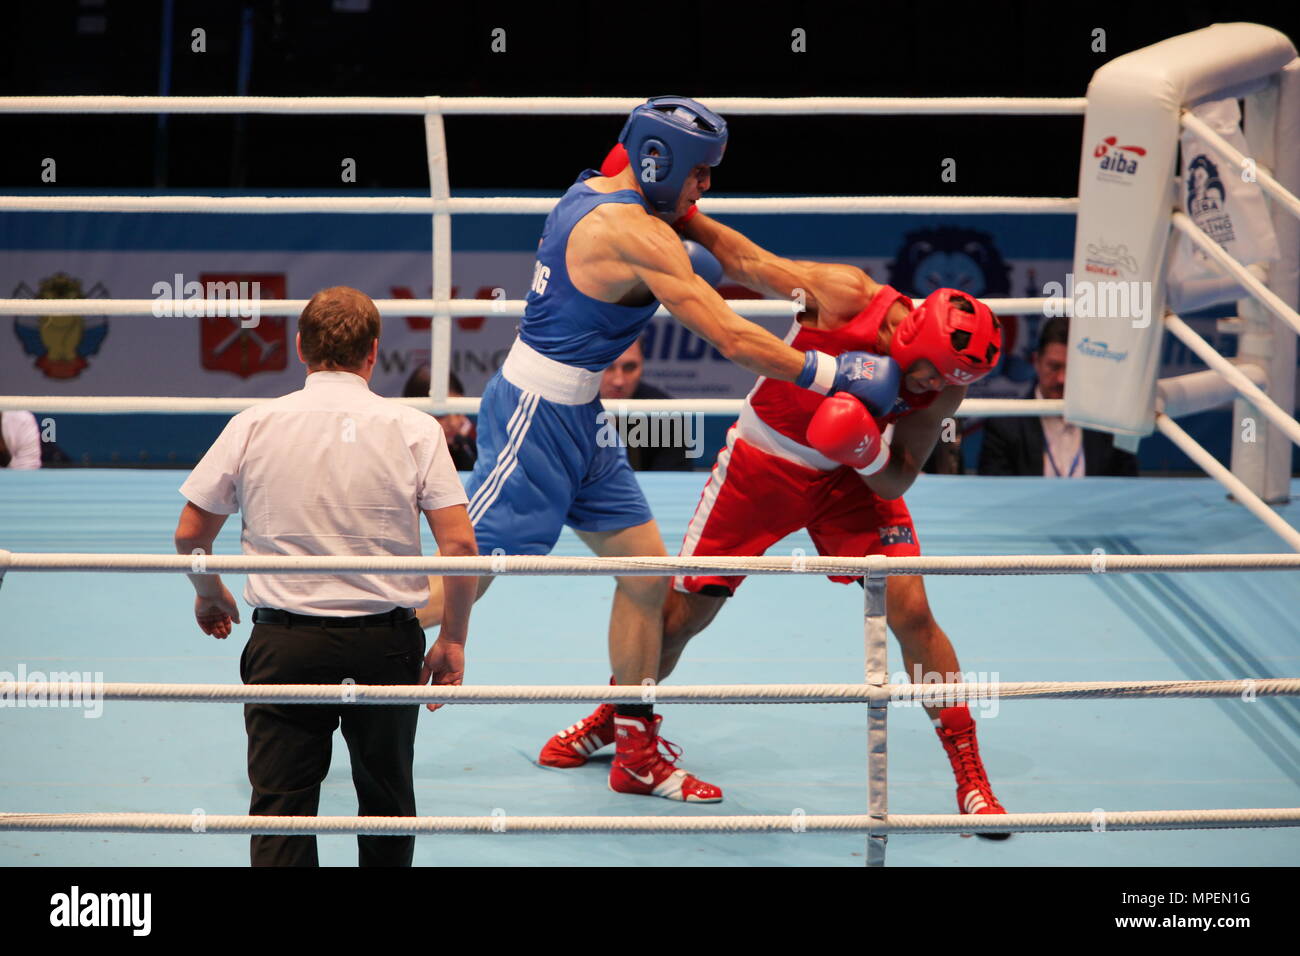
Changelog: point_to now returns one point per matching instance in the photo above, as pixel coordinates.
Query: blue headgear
(682, 134)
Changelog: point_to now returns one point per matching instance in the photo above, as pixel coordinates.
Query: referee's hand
(444, 664)
(216, 613)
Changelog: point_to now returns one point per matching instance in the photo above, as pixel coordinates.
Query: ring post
(435, 144)
(1261, 453)
(873, 584)
(1126, 180)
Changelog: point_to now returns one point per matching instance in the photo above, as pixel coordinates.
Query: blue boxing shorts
(540, 467)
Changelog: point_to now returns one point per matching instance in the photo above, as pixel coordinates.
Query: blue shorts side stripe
(516, 430)
(507, 458)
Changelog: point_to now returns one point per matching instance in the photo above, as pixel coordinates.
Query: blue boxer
(541, 464)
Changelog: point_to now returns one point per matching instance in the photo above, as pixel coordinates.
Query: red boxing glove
(843, 430)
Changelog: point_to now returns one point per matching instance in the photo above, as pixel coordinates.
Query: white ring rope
(1226, 263)
(14, 692)
(503, 308)
(1234, 376)
(1279, 416)
(548, 105)
(796, 822)
(1229, 152)
(511, 205)
(873, 565)
(1215, 469)
(157, 404)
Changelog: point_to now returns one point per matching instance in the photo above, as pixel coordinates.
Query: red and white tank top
(776, 413)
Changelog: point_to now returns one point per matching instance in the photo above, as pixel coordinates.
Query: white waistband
(766, 438)
(530, 370)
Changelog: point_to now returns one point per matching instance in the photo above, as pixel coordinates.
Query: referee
(332, 469)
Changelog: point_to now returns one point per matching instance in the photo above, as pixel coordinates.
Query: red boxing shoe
(574, 744)
(640, 767)
(974, 794)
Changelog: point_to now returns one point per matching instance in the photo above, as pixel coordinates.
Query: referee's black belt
(270, 615)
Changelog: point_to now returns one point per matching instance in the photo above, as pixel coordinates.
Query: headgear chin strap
(963, 345)
(666, 138)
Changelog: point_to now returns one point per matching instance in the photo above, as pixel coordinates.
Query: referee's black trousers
(289, 745)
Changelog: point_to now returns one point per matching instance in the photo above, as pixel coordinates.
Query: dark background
(310, 48)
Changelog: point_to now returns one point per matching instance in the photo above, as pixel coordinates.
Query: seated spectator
(1047, 445)
(623, 380)
(460, 431)
(20, 441)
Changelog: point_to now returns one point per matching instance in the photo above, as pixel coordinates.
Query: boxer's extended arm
(655, 254)
(914, 438)
(830, 287)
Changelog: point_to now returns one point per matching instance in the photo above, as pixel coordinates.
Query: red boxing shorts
(754, 499)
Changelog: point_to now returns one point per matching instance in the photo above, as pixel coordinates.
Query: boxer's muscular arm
(655, 255)
(914, 438)
(829, 287)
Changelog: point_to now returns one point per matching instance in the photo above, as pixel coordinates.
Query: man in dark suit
(623, 379)
(1047, 445)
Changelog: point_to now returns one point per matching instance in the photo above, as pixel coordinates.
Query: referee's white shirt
(22, 438)
(332, 469)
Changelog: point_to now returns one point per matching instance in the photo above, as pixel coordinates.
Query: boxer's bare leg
(636, 619)
(926, 648)
(431, 614)
(640, 765)
(685, 615)
(924, 644)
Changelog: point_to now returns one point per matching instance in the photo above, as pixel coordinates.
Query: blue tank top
(559, 321)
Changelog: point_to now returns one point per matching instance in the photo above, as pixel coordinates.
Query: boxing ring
(877, 690)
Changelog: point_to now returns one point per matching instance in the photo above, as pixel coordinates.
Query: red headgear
(616, 161)
(963, 345)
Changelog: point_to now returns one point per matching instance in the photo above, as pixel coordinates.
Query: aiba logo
(1117, 163)
(1207, 201)
(1205, 191)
